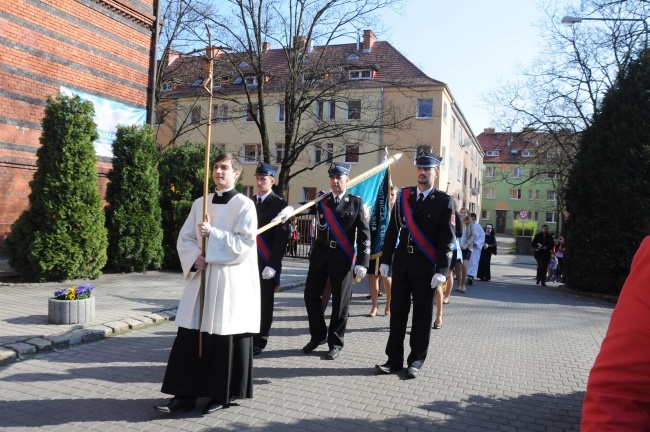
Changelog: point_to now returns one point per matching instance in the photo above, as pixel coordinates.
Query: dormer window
(197, 82)
(167, 86)
(527, 153)
(492, 153)
(513, 151)
(243, 64)
(360, 74)
(251, 80)
(352, 56)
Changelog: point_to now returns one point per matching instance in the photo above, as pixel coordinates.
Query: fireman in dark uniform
(271, 245)
(424, 219)
(340, 219)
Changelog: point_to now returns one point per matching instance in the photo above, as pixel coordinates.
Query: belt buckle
(409, 249)
(333, 244)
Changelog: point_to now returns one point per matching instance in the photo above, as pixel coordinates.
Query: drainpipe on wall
(151, 114)
(381, 128)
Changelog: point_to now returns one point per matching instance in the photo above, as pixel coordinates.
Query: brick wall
(101, 47)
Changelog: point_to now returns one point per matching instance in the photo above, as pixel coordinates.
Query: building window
(444, 111)
(167, 86)
(458, 170)
(319, 110)
(332, 111)
(279, 152)
(252, 153)
(443, 155)
(534, 194)
(527, 153)
(251, 113)
(465, 176)
(550, 195)
(354, 110)
(322, 154)
(352, 153)
(453, 125)
(249, 191)
(196, 115)
(460, 136)
(515, 194)
(485, 214)
(425, 108)
(551, 175)
(492, 153)
(360, 74)
(308, 193)
(451, 161)
(220, 113)
(517, 172)
(489, 171)
(489, 193)
(551, 217)
(250, 80)
(280, 111)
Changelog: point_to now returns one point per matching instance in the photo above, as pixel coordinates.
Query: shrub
(62, 235)
(133, 216)
(528, 228)
(181, 182)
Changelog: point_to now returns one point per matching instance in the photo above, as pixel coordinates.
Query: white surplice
(232, 286)
(479, 241)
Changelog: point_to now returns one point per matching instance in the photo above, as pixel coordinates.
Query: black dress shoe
(332, 354)
(387, 368)
(437, 326)
(212, 406)
(257, 350)
(412, 372)
(177, 404)
(312, 345)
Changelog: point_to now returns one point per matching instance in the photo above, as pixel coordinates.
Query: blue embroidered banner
(375, 193)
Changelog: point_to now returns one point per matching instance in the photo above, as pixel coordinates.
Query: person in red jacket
(618, 390)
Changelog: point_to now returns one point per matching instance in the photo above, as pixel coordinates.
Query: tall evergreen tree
(62, 235)
(607, 192)
(133, 216)
(181, 182)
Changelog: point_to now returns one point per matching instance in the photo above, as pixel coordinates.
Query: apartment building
(376, 81)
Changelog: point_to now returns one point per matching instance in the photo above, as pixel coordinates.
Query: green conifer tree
(133, 216)
(607, 192)
(62, 235)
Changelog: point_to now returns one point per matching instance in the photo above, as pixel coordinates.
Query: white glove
(268, 273)
(360, 271)
(283, 215)
(437, 280)
(384, 270)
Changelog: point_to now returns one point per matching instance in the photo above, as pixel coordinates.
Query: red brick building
(100, 47)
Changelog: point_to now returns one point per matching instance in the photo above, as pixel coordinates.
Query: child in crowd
(552, 268)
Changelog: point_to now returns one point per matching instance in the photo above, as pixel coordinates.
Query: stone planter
(523, 245)
(71, 311)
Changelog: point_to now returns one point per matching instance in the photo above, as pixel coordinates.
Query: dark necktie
(419, 201)
(336, 200)
(259, 200)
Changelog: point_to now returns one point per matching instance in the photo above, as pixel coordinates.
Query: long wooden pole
(209, 51)
(352, 182)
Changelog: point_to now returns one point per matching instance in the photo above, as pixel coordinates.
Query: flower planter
(71, 311)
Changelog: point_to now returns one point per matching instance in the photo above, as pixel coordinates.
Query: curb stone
(17, 351)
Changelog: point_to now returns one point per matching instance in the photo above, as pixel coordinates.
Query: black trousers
(341, 283)
(267, 295)
(400, 306)
(224, 372)
(542, 268)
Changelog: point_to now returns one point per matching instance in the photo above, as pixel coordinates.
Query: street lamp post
(569, 20)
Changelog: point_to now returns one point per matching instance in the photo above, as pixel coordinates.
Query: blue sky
(471, 45)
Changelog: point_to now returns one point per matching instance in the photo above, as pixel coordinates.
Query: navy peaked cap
(266, 169)
(339, 168)
(427, 159)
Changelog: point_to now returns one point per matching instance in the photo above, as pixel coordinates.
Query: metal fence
(299, 244)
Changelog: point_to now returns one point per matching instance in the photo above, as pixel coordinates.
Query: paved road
(511, 356)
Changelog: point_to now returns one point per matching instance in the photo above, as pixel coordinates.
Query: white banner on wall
(109, 114)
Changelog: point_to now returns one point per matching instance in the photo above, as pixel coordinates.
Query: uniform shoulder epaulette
(442, 193)
(355, 196)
